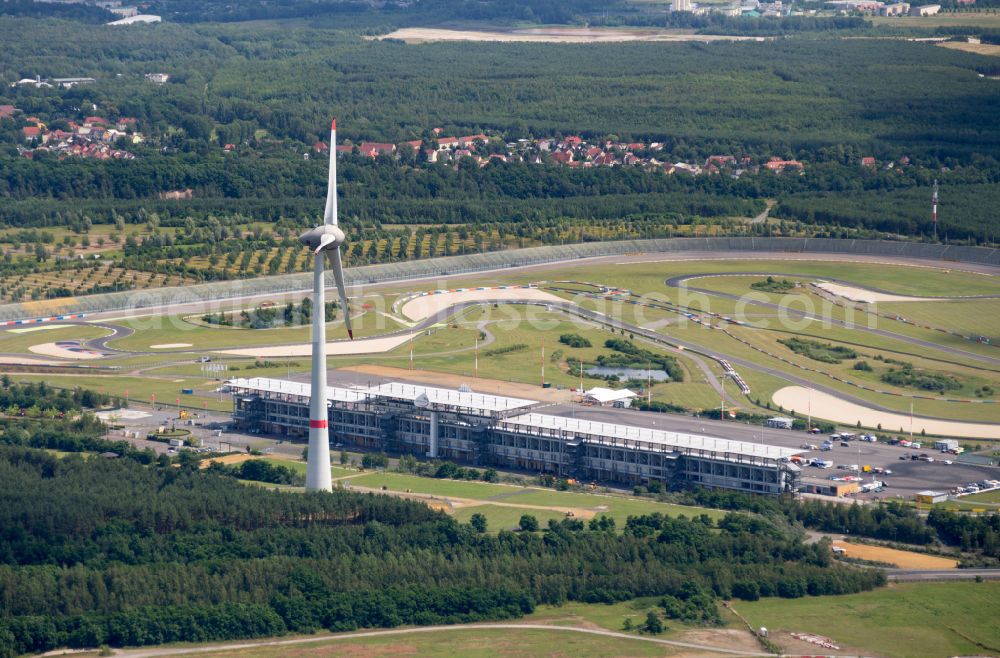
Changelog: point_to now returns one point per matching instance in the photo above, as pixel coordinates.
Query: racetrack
(435, 309)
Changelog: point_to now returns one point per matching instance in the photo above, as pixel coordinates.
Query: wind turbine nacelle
(323, 238)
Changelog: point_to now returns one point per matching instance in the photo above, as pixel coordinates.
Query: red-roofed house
(777, 165)
(373, 149)
(564, 157)
(125, 123)
(635, 146)
(320, 147)
(594, 151)
(470, 140)
(345, 148)
(571, 142)
(447, 142)
(95, 121)
(416, 144)
(868, 161)
(31, 132)
(720, 160)
(229, 148)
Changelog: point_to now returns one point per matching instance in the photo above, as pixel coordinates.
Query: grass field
(975, 19)
(175, 329)
(901, 279)
(908, 620)
(503, 505)
(460, 643)
(18, 343)
(984, 497)
(167, 391)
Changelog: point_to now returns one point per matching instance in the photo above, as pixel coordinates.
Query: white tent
(606, 397)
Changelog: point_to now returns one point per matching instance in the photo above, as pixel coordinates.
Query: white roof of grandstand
(603, 395)
(296, 388)
(451, 397)
(629, 432)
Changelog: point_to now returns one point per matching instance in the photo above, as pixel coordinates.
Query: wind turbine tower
(325, 241)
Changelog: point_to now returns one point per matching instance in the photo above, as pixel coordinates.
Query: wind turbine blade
(323, 241)
(338, 274)
(330, 214)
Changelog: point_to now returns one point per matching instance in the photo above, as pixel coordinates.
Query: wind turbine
(325, 241)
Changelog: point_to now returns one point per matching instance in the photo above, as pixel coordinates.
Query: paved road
(907, 575)
(485, 276)
(348, 637)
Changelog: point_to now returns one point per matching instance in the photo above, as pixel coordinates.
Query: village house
(777, 165)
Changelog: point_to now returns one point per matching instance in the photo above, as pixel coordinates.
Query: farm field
(902, 559)
(906, 620)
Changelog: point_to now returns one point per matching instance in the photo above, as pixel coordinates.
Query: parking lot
(907, 478)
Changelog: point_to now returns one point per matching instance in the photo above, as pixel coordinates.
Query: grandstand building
(489, 430)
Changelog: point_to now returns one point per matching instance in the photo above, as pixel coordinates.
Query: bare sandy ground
(902, 559)
(338, 348)
(27, 361)
(833, 408)
(869, 296)
(52, 349)
(551, 35)
(448, 380)
(978, 48)
(422, 307)
(167, 346)
(40, 327)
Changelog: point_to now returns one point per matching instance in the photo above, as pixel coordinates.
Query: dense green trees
(113, 551)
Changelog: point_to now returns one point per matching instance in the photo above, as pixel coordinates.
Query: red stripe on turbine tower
(317, 424)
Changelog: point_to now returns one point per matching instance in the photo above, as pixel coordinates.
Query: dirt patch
(485, 386)
(425, 306)
(902, 559)
(68, 349)
(869, 296)
(795, 646)
(167, 346)
(552, 35)
(723, 638)
(336, 348)
(978, 48)
(228, 460)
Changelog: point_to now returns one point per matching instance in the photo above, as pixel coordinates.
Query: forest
(268, 88)
(141, 549)
(102, 551)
